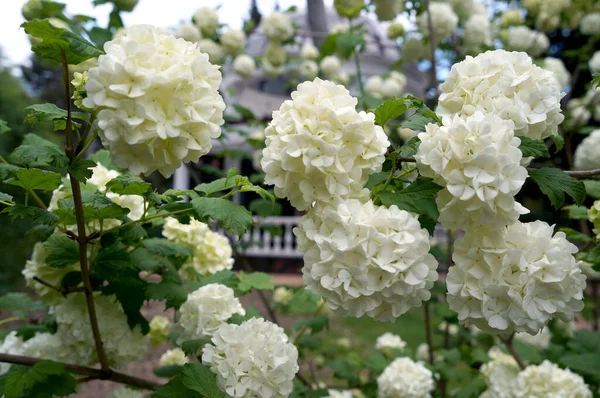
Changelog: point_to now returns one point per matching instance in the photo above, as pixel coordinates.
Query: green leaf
(559, 141)
(103, 157)
(376, 179)
(36, 179)
(48, 113)
(4, 127)
(243, 111)
(127, 185)
(225, 277)
(410, 148)
(587, 364)
(76, 48)
(255, 280)
(418, 197)
(173, 293)
(265, 208)
(40, 377)
(555, 183)
(533, 148)
(233, 217)
(263, 193)
(346, 43)
(61, 251)
(36, 151)
(168, 371)
(232, 180)
(592, 187)
(585, 341)
(576, 236)
(20, 304)
(96, 206)
(304, 302)
(112, 261)
(165, 248)
(4, 197)
(191, 347)
(251, 312)
(34, 214)
(393, 108)
(81, 169)
(577, 212)
(198, 377)
(315, 324)
(376, 361)
(416, 122)
(175, 388)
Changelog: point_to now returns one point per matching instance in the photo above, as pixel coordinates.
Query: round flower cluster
(212, 252)
(206, 309)
(507, 84)
(550, 381)
(244, 66)
(512, 17)
(233, 40)
(389, 341)
(366, 259)
(207, 20)
(499, 374)
(515, 278)
(36, 267)
(590, 24)
(309, 51)
(319, 147)
(594, 217)
(212, 49)
(443, 19)
(155, 111)
(124, 345)
(478, 162)
(521, 38)
(330, 65)
(404, 378)
(467, 8)
(477, 33)
(388, 88)
(557, 67)
(277, 27)
(188, 31)
(395, 30)
(160, 327)
(548, 17)
(254, 359)
(540, 340)
(282, 295)
(176, 356)
(587, 154)
(387, 10)
(126, 392)
(308, 69)
(412, 49)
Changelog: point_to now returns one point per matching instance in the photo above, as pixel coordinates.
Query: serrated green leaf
(198, 377)
(163, 247)
(559, 141)
(577, 212)
(81, 169)
(233, 217)
(410, 148)
(4, 127)
(103, 157)
(35, 179)
(376, 361)
(533, 148)
(50, 112)
(251, 312)
(263, 193)
(376, 179)
(592, 187)
(173, 293)
(393, 108)
(20, 304)
(304, 302)
(127, 185)
(587, 364)
(34, 214)
(4, 197)
(96, 206)
(255, 280)
(225, 277)
(418, 197)
(61, 251)
(25, 381)
(416, 122)
(111, 261)
(76, 48)
(346, 43)
(265, 208)
(175, 388)
(168, 371)
(554, 183)
(191, 347)
(36, 151)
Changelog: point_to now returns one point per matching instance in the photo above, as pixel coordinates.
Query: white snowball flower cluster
(339, 394)
(207, 20)
(277, 27)
(422, 352)
(515, 278)
(548, 17)
(366, 259)
(466, 8)
(330, 65)
(319, 147)
(587, 154)
(404, 378)
(451, 328)
(594, 62)
(188, 31)
(233, 40)
(206, 309)
(590, 24)
(309, 51)
(412, 49)
(387, 10)
(389, 341)
(244, 66)
(549, 381)
(212, 49)
(339, 28)
(388, 88)
(557, 67)
(134, 203)
(521, 38)
(212, 251)
(477, 161)
(160, 327)
(443, 19)
(499, 374)
(282, 295)
(12, 344)
(507, 84)
(37, 267)
(578, 113)
(47, 346)
(308, 69)
(477, 33)
(126, 392)
(155, 111)
(125, 345)
(540, 340)
(175, 356)
(254, 359)
(395, 30)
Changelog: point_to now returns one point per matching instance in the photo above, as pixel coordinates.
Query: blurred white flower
(175, 356)
(404, 378)
(549, 381)
(254, 359)
(512, 17)
(160, 327)
(188, 31)
(244, 66)
(540, 340)
(277, 27)
(330, 65)
(587, 154)
(443, 19)
(595, 62)
(387, 10)
(309, 51)
(13, 345)
(207, 20)
(521, 38)
(477, 33)
(422, 352)
(412, 49)
(395, 30)
(557, 67)
(308, 69)
(282, 295)
(453, 329)
(389, 341)
(212, 49)
(232, 41)
(271, 70)
(500, 374)
(590, 24)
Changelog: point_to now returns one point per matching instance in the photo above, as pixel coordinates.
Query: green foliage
(61, 251)
(172, 292)
(254, 280)
(315, 325)
(4, 127)
(168, 371)
(410, 148)
(36, 151)
(233, 217)
(304, 302)
(20, 304)
(45, 379)
(586, 364)
(96, 206)
(345, 44)
(35, 215)
(127, 185)
(56, 40)
(592, 188)
(50, 113)
(81, 169)
(533, 148)
(199, 378)
(576, 236)
(35, 180)
(165, 248)
(233, 181)
(191, 347)
(264, 208)
(175, 388)
(554, 183)
(576, 212)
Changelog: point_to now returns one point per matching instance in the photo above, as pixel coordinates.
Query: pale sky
(16, 47)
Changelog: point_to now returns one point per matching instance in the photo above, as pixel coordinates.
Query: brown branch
(91, 373)
(62, 290)
(583, 173)
(508, 342)
(428, 338)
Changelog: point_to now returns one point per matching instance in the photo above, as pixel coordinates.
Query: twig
(304, 380)
(428, 338)
(85, 371)
(583, 173)
(508, 342)
(12, 319)
(64, 290)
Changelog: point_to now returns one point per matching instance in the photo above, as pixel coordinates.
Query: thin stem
(432, 46)
(63, 291)
(69, 127)
(88, 144)
(583, 173)
(449, 248)
(508, 342)
(261, 294)
(359, 77)
(12, 319)
(83, 370)
(305, 326)
(428, 338)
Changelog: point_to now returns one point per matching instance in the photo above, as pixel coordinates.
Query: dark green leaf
(376, 179)
(124, 185)
(533, 148)
(4, 127)
(376, 361)
(559, 141)
(36, 179)
(233, 217)
(225, 277)
(103, 157)
(95, 206)
(393, 108)
(577, 212)
(346, 43)
(163, 247)
(243, 111)
(75, 47)
(192, 347)
(416, 122)
(20, 304)
(255, 280)
(168, 371)
(36, 215)
(40, 376)
(410, 148)
(304, 302)
(585, 342)
(315, 324)
(173, 293)
(555, 183)
(418, 197)
(576, 236)
(48, 113)
(198, 377)
(587, 364)
(81, 169)
(175, 388)
(36, 151)
(61, 251)
(112, 261)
